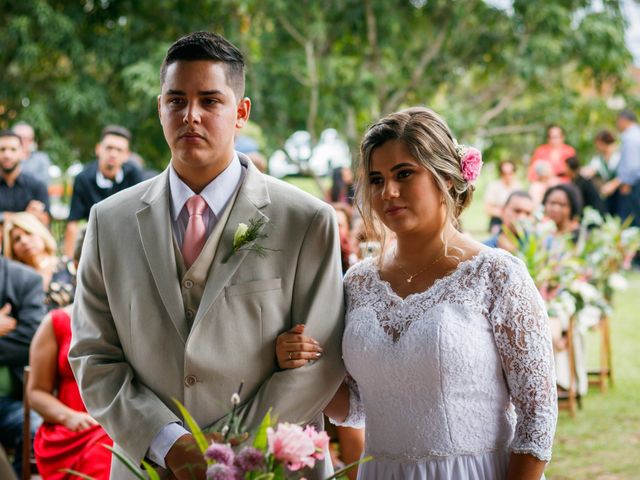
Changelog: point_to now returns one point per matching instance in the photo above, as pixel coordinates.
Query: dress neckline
(464, 265)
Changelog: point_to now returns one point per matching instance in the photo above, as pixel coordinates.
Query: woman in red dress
(69, 437)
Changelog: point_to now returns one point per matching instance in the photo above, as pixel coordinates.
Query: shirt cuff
(163, 441)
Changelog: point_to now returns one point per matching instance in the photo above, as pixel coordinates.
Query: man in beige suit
(153, 323)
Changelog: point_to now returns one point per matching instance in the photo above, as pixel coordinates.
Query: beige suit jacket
(132, 351)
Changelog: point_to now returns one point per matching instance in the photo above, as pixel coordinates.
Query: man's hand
(7, 323)
(185, 460)
(610, 187)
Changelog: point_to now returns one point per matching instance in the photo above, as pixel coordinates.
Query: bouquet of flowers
(278, 452)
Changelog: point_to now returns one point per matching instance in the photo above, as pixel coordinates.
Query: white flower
(238, 237)
(589, 293)
(617, 282)
(588, 317)
(235, 399)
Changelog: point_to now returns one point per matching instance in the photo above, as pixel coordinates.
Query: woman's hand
(7, 323)
(78, 421)
(294, 350)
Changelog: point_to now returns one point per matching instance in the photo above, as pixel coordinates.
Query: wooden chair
(29, 466)
(603, 376)
(569, 399)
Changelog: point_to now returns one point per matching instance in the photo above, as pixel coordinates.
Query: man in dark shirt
(518, 209)
(109, 174)
(590, 195)
(19, 191)
(21, 310)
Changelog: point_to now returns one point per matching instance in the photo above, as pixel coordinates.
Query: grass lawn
(603, 441)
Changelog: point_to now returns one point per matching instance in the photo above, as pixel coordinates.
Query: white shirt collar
(104, 182)
(217, 193)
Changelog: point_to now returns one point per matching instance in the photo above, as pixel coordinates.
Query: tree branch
(427, 57)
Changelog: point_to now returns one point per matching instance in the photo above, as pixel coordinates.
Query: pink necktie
(196, 232)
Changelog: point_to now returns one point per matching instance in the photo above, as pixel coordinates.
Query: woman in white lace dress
(446, 342)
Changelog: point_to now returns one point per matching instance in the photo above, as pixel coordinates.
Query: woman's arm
(43, 358)
(525, 467)
(294, 350)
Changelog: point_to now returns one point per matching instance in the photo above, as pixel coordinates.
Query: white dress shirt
(217, 195)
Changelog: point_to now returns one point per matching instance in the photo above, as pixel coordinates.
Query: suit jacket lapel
(253, 196)
(154, 225)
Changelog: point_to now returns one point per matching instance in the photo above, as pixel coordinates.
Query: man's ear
(242, 112)
(159, 112)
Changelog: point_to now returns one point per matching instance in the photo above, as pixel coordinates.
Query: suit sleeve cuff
(163, 441)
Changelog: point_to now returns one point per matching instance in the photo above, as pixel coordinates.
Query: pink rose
(470, 164)
(292, 446)
(320, 441)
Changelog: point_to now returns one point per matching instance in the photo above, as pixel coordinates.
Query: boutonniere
(246, 238)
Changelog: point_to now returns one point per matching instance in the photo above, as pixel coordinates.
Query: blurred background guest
(497, 193)
(29, 242)
(342, 188)
(545, 179)
(516, 214)
(588, 191)
(555, 152)
(34, 161)
(21, 309)
(19, 191)
(69, 437)
(563, 205)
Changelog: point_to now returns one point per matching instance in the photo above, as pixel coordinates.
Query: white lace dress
(452, 379)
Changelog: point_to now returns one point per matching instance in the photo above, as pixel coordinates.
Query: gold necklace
(411, 277)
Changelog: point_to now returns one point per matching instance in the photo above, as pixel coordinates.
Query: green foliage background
(70, 67)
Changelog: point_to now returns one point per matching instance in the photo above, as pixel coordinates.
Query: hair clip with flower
(470, 161)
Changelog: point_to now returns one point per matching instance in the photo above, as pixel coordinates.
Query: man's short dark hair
(573, 163)
(628, 115)
(115, 130)
(211, 47)
(517, 194)
(10, 133)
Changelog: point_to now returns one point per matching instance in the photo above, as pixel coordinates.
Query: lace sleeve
(522, 335)
(355, 418)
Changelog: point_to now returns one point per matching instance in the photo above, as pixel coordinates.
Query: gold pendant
(410, 278)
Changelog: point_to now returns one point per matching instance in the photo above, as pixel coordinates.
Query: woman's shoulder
(498, 265)
(360, 270)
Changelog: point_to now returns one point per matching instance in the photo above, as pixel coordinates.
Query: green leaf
(194, 427)
(344, 470)
(153, 475)
(260, 442)
(124, 460)
(77, 474)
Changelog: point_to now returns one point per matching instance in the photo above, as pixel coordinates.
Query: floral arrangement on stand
(578, 278)
(279, 451)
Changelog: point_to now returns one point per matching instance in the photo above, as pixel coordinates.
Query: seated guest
(21, 309)
(563, 205)
(545, 180)
(19, 191)
(590, 195)
(497, 193)
(28, 241)
(69, 437)
(109, 174)
(517, 210)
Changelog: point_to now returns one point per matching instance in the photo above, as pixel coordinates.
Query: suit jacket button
(188, 284)
(190, 314)
(190, 380)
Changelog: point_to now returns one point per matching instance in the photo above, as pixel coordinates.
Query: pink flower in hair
(470, 163)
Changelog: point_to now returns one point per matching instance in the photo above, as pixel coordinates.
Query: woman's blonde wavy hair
(30, 224)
(429, 141)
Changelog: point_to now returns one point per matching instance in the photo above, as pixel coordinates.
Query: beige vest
(193, 281)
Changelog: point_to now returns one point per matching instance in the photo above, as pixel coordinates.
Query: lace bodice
(464, 367)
